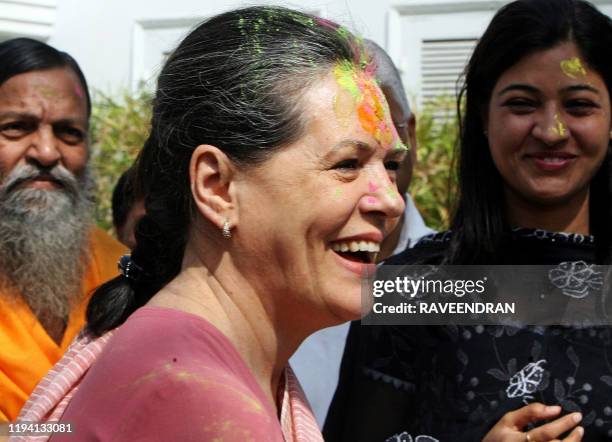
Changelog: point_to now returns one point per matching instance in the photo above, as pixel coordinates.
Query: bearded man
(51, 255)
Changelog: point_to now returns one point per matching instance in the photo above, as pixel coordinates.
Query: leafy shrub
(119, 128)
(432, 180)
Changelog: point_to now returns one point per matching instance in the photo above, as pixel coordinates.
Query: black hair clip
(130, 269)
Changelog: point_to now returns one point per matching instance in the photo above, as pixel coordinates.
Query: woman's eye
(520, 105)
(392, 165)
(580, 107)
(347, 164)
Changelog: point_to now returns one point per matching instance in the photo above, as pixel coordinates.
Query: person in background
(534, 190)
(317, 360)
(51, 255)
(269, 190)
(128, 208)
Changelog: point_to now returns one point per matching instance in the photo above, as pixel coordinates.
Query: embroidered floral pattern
(576, 279)
(467, 377)
(574, 238)
(526, 381)
(561, 237)
(406, 437)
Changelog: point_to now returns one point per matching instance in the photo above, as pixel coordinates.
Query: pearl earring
(226, 231)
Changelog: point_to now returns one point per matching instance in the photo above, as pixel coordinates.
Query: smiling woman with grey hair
(270, 184)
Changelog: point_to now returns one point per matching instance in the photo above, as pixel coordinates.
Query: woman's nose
(550, 128)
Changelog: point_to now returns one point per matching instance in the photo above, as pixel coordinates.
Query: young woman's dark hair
(517, 30)
(124, 196)
(23, 55)
(234, 82)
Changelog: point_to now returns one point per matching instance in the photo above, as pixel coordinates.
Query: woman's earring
(226, 231)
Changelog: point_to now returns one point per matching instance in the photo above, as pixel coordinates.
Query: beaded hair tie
(129, 269)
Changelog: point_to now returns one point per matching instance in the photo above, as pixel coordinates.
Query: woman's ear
(211, 175)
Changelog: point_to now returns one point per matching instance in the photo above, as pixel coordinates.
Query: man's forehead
(57, 89)
(49, 83)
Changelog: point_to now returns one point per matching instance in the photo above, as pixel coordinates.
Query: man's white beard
(44, 237)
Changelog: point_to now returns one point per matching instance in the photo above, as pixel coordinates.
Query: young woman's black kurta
(453, 383)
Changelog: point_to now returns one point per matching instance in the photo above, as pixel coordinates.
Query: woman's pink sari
(53, 394)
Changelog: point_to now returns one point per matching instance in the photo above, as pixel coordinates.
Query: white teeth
(356, 246)
(553, 160)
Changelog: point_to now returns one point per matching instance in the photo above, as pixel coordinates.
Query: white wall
(120, 42)
(27, 18)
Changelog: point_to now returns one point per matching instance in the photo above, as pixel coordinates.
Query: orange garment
(26, 350)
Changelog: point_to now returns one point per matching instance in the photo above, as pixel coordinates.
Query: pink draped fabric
(52, 398)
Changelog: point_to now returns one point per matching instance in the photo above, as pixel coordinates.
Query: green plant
(119, 128)
(437, 132)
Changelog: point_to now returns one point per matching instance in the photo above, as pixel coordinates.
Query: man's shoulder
(105, 243)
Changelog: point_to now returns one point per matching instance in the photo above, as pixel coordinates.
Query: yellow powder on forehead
(344, 106)
(573, 68)
(48, 91)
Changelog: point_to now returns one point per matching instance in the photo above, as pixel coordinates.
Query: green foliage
(437, 132)
(119, 128)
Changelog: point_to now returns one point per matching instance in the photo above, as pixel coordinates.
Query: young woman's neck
(571, 216)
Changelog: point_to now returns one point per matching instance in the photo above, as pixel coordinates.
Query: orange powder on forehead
(359, 92)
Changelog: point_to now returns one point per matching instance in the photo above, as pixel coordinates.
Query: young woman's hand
(510, 426)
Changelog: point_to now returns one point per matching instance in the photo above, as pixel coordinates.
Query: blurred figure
(128, 208)
(51, 255)
(317, 361)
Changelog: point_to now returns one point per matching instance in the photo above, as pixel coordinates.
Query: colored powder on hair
(573, 67)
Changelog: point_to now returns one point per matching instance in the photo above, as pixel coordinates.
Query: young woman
(534, 178)
(270, 184)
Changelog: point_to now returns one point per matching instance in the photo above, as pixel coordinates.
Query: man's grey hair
(388, 75)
